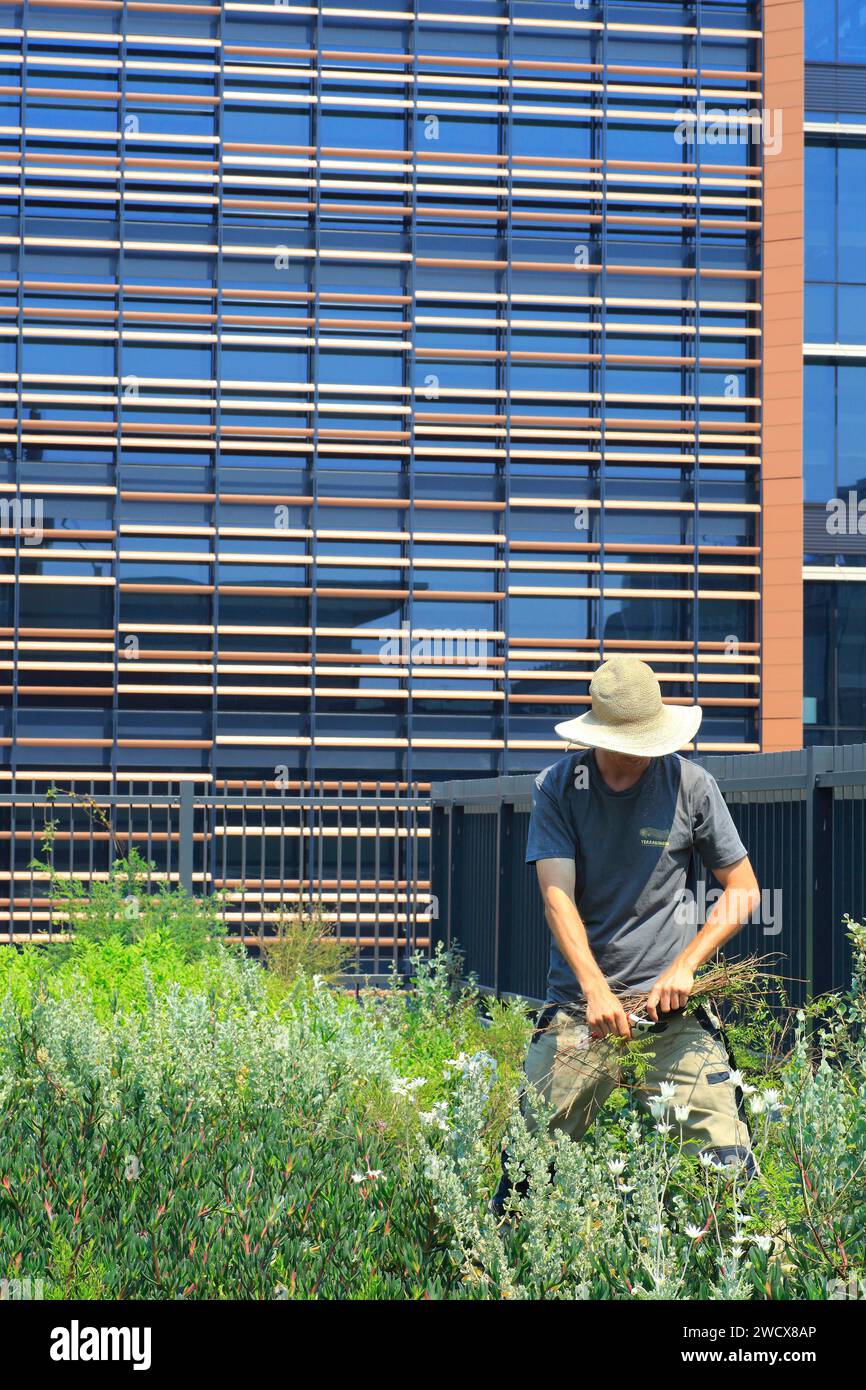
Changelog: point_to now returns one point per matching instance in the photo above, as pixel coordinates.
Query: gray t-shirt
(634, 857)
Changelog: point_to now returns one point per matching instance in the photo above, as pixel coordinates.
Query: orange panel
(782, 608)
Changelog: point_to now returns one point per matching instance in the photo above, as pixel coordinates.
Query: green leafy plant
(179, 1122)
(73, 1272)
(305, 941)
(130, 904)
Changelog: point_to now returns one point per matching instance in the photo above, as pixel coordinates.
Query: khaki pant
(576, 1075)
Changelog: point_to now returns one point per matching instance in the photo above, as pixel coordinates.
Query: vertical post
(377, 876)
(824, 924)
(819, 873)
(441, 869)
(455, 875)
(185, 836)
(505, 930)
(809, 874)
(497, 897)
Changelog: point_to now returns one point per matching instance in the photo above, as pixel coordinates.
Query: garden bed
(180, 1122)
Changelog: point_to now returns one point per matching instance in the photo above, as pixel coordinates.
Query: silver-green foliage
(203, 1134)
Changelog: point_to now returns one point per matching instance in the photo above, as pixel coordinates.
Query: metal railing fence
(396, 871)
(359, 857)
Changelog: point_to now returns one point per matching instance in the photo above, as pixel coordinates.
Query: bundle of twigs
(734, 982)
(738, 983)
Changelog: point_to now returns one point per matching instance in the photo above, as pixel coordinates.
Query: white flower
(480, 1067)
(694, 1232)
(764, 1243)
(437, 1116)
(658, 1109)
(663, 1128)
(625, 1187)
(405, 1087)
(667, 1090)
(757, 1104)
(370, 1176)
(773, 1105)
(708, 1160)
(681, 1113)
(616, 1167)
(736, 1079)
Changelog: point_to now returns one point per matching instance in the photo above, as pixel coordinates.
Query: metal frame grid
(413, 754)
(355, 857)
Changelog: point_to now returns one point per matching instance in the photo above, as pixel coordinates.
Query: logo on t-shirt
(649, 835)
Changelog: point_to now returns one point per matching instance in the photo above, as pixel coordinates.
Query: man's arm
(604, 1012)
(731, 911)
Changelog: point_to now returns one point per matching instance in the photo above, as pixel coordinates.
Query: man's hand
(670, 991)
(605, 1014)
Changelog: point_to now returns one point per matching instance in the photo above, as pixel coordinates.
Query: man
(613, 835)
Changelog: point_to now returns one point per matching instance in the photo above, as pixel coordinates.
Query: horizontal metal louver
(836, 87)
(817, 540)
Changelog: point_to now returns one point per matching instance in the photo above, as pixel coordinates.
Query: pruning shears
(640, 1024)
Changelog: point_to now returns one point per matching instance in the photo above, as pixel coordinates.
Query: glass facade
(835, 31)
(834, 686)
(834, 462)
(370, 373)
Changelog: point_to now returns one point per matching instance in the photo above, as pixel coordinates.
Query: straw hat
(628, 715)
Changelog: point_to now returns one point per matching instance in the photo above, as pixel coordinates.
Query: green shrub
(631, 1215)
(189, 1151)
(125, 941)
(305, 942)
(129, 906)
(179, 1122)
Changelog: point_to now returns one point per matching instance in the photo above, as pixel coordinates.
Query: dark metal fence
(361, 856)
(801, 815)
(357, 855)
